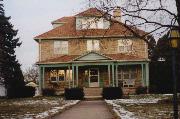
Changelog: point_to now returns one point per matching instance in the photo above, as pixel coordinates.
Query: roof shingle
(68, 29)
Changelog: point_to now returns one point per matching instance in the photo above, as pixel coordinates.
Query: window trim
(124, 46)
(60, 42)
(122, 80)
(57, 77)
(92, 48)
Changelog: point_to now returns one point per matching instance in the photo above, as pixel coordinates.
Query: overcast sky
(33, 17)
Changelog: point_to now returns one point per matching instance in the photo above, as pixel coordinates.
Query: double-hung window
(60, 47)
(125, 46)
(93, 45)
(127, 77)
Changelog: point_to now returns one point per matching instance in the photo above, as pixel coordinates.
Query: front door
(94, 77)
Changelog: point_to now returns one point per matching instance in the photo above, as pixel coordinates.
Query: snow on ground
(55, 110)
(120, 111)
(125, 114)
(33, 108)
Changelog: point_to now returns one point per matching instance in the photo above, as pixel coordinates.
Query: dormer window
(91, 23)
(93, 45)
(125, 46)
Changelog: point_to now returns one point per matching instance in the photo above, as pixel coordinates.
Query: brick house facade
(86, 50)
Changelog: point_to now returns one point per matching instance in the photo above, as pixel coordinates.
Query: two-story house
(86, 50)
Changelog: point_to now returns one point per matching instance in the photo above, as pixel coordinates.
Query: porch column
(109, 74)
(43, 77)
(73, 75)
(142, 75)
(147, 76)
(77, 76)
(116, 75)
(40, 80)
(69, 76)
(113, 75)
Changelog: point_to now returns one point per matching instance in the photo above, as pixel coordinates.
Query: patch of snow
(168, 94)
(138, 101)
(55, 110)
(120, 111)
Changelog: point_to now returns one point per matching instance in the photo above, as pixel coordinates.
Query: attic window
(125, 46)
(60, 47)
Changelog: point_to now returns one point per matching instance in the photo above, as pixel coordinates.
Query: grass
(151, 111)
(161, 110)
(27, 107)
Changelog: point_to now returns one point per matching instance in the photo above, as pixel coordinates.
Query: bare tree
(156, 17)
(31, 74)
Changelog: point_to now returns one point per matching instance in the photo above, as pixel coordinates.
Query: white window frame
(61, 47)
(92, 23)
(125, 81)
(56, 75)
(92, 46)
(125, 46)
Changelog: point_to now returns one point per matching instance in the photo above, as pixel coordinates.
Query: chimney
(117, 14)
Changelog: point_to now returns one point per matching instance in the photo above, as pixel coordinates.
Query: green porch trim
(93, 64)
(77, 76)
(116, 71)
(43, 77)
(131, 63)
(109, 76)
(54, 65)
(40, 80)
(73, 75)
(113, 75)
(147, 74)
(69, 76)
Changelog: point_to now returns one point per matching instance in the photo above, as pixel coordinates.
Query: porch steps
(92, 93)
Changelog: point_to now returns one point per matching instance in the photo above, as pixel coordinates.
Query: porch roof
(73, 58)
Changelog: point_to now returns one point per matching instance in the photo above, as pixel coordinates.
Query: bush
(141, 90)
(48, 92)
(112, 93)
(21, 92)
(74, 93)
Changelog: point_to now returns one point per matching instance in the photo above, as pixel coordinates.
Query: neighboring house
(86, 50)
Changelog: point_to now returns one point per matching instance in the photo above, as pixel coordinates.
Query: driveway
(87, 110)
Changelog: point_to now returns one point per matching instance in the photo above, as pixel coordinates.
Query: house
(86, 50)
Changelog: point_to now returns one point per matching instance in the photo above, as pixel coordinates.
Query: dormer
(57, 24)
(91, 19)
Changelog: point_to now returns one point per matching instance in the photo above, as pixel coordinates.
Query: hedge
(74, 94)
(112, 93)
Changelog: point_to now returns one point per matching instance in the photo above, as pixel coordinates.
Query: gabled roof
(106, 57)
(68, 29)
(92, 56)
(90, 12)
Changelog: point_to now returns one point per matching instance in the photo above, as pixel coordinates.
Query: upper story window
(125, 46)
(91, 23)
(60, 47)
(93, 45)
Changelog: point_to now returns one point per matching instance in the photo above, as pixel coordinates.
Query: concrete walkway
(87, 110)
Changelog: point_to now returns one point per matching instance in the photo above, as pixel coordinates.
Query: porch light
(174, 43)
(174, 38)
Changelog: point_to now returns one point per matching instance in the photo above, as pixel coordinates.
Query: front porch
(128, 75)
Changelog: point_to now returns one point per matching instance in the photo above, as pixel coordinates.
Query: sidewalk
(87, 110)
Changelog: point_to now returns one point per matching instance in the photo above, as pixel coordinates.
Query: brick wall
(78, 47)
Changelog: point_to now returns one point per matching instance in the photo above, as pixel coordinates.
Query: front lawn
(144, 107)
(38, 107)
